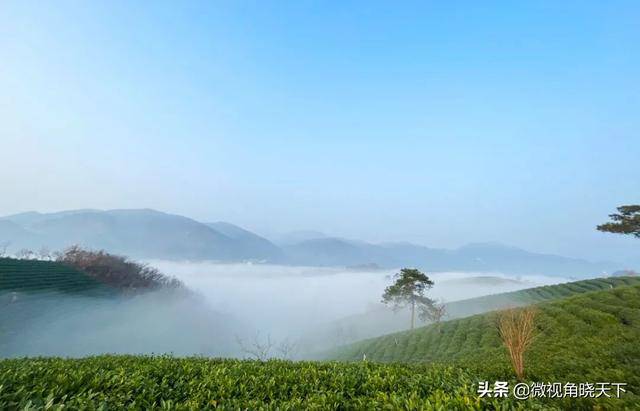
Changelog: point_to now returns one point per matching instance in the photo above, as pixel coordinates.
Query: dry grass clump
(517, 330)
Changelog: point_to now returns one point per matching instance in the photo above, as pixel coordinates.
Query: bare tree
(287, 348)
(517, 330)
(3, 248)
(44, 254)
(256, 348)
(117, 271)
(24, 254)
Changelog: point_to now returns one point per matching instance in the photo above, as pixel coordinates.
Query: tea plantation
(588, 331)
(383, 320)
(465, 308)
(33, 276)
(30, 289)
(592, 336)
(138, 382)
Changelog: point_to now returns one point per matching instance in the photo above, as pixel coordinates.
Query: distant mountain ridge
(146, 233)
(253, 246)
(141, 233)
(479, 257)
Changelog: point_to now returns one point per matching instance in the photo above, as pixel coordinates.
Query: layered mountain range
(150, 234)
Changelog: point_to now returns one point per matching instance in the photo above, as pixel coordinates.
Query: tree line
(116, 271)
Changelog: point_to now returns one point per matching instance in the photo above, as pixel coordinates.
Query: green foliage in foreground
(121, 382)
(591, 337)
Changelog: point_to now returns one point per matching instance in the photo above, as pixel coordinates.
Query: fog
(270, 294)
(61, 324)
(231, 306)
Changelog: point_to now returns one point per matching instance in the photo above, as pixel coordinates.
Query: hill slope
(384, 320)
(31, 276)
(587, 337)
(48, 308)
(464, 308)
(31, 290)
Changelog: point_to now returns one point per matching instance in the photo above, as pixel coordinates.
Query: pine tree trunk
(413, 313)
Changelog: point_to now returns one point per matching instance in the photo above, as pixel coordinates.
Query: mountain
(138, 233)
(13, 236)
(481, 257)
(330, 252)
(251, 244)
(32, 217)
(299, 236)
(151, 234)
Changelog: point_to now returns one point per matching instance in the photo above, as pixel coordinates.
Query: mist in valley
(232, 310)
(288, 300)
(165, 321)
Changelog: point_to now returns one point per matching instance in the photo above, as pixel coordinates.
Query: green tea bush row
(591, 336)
(141, 382)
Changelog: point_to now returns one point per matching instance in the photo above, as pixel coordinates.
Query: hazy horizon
(436, 124)
(283, 238)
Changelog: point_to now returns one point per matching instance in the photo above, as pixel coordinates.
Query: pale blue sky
(439, 123)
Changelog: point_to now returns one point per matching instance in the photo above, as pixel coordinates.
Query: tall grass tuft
(517, 330)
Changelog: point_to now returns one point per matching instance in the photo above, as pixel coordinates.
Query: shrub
(117, 271)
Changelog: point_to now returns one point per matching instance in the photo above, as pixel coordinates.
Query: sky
(439, 123)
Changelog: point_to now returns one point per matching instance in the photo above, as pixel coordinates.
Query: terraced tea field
(465, 308)
(30, 289)
(588, 331)
(589, 336)
(385, 321)
(32, 276)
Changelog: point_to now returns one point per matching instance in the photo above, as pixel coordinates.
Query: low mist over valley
(225, 308)
(304, 291)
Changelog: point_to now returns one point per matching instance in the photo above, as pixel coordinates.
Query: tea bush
(589, 337)
(142, 382)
